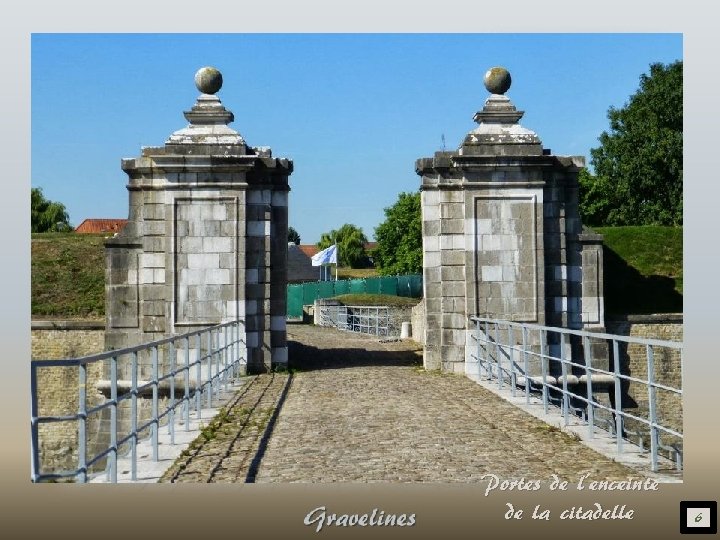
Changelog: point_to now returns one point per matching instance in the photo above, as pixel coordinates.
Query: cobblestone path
(361, 410)
(228, 448)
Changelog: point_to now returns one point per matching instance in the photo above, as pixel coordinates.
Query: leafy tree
(351, 241)
(293, 236)
(399, 238)
(46, 215)
(638, 166)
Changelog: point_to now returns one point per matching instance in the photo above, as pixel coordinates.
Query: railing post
(155, 411)
(171, 415)
(186, 397)
(217, 363)
(618, 397)
(226, 346)
(477, 346)
(209, 368)
(133, 415)
(238, 348)
(511, 349)
(498, 354)
(563, 366)
(233, 355)
(543, 366)
(113, 420)
(82, 423)
(525, 363)
(34, 427)
(235, 358)
(198, 374)
(588, 384)
(487, 351)
(652, 404)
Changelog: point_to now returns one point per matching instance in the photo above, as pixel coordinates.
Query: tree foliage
(399, 238)
(293, 236)
(351, 241)
(46, 215)
(638, 166)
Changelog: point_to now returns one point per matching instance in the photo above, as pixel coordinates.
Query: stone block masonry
(667, 371)
(57, 387)
(206, 240)
(502, 236)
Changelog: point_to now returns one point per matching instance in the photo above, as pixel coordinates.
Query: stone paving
(357, 409)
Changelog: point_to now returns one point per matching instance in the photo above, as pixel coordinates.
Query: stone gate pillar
(206, 240)
(502, 233)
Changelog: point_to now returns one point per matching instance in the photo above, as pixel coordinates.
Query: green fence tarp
(295, 301)
(357, 286)
(416, 286)
(325, 289)
(303, 294)
(388, 285)
(372, 286)
(342, 287)
(310, 292)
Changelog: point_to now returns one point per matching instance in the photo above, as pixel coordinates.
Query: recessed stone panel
(506, 256)
(205, 280)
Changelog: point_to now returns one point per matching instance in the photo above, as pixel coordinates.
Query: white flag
(326, 256)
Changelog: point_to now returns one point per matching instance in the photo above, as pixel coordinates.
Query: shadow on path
(309, 358)
(262, 446)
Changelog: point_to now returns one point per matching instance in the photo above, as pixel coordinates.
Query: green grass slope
(67, 276)
(643, 269)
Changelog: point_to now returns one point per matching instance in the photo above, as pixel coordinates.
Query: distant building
(300, 268)
(97, 226)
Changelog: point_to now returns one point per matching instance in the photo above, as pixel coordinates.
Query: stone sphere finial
(208, 80)
(497, 80)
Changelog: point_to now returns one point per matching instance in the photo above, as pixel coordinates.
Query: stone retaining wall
(57, 387)
(51, 340)
(667, 371)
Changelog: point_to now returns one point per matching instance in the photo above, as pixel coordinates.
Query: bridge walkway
(356, 409)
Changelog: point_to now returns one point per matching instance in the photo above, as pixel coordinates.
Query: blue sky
(353, 111)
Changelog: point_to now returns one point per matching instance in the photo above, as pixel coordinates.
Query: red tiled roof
(101, 225)
(309, 249)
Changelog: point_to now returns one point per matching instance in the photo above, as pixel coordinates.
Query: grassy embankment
(643, 269)
(643, 273)
(370, 299)
(67, 276)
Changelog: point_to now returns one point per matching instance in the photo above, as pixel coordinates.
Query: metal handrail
(494, 368)
(223, 344)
